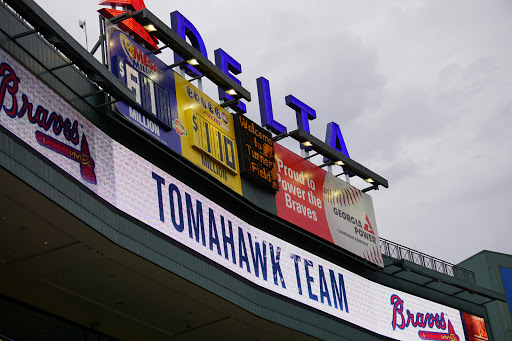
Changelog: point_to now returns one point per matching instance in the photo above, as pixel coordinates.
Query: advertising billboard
(256, 152)
(207, 134)
(320, 203)
(173, 111)
(474, 327)
(30, 110)
(151, 81)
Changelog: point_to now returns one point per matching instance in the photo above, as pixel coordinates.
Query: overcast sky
(421, 91)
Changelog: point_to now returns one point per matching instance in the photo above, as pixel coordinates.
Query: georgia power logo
(50, 122)
(343, 200)
(405, 319)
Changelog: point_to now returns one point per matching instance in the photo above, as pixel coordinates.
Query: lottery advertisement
(207, 134)
(320, 203)
(35, 114)
(151, 81)
(175, 112)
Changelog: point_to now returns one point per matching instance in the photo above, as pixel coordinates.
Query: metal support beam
(328, 163)
(181, 62)
(19, 35)
(333, 154)
(61, 66)
(159, 50)
(105, 104)
(230, 102)
(367, 189)
(93, 93)
(195, 78)
(310, 156)
(97, 45)
(280, 136)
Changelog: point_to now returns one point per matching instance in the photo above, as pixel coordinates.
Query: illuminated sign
(186, 29)
(151, 81)
(266, 111)
(52, 127)
(145, 192)
(175, 112)
(256, 150)
(227, 64)
(475, 327)
(320, 203)
(209, 141)
(129, 25)
(55, 125)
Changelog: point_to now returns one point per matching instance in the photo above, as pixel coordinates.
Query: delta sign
(231, 67)
(182, 117)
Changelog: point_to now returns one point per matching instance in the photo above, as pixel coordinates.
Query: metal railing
(398, 251)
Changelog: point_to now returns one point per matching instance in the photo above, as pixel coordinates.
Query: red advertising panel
(474, 327)
(320, 203)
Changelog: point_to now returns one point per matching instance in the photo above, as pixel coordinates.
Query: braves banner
(320, 203)
(34, 113)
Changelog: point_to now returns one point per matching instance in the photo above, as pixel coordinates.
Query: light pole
(83, 26)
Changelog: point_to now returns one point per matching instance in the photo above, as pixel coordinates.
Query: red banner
(320, 203)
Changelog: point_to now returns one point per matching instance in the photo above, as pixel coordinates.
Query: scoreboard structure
(137, 207)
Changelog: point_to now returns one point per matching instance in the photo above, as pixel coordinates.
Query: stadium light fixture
(150, 28)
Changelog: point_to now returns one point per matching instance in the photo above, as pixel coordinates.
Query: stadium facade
(136, 207)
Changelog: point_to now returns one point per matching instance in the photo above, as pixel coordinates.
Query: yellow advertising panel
(207, 134)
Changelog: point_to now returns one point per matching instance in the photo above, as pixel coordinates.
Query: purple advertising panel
(152, 82)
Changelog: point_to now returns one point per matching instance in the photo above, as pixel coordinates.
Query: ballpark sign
(320, 203)
(35, 114)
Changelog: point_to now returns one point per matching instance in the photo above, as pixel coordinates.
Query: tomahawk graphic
(440, 336)
(82, 156)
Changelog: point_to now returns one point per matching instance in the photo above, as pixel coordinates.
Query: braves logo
(440, 336)
(82, 156)
(42, 117)
(402, 320)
